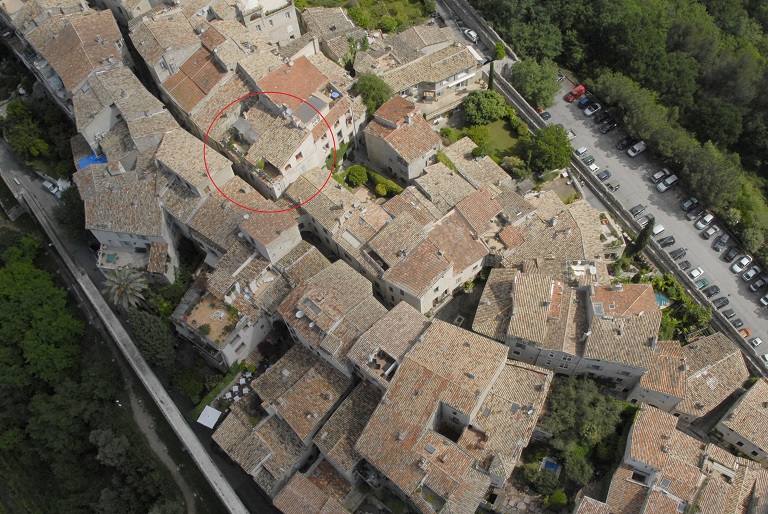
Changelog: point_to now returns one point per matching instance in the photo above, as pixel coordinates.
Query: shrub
(499, 52)
(450, 135)
(556, 501)
(357, 175)
(483, 107)
(546, 482)
(360, 16)
(529, 473)
(388, 24)
(205, 329)
(381, 189)
(381, 179)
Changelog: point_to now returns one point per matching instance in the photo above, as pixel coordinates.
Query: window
(402, 293)
(754, 454)
(119, 44)
(563, 366)
(739, 443)
(299, 156)
(551, 354)
(437, 289)
(301, 226)
(516, 352)
(549, 363)
(390, 289)
(271, 23)
(624, 373)
(567, 358)
(520, 345)
(619, 380)
(258, 28)
(288, 15)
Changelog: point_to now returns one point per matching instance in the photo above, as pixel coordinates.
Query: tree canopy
(484, 106)
(373, 90)
(548, 149)
(537, 82)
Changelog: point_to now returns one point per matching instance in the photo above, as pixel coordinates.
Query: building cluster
(372, 387)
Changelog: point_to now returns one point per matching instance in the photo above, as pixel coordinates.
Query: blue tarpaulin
(91, 159)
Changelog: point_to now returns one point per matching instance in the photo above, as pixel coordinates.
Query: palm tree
(123, 287)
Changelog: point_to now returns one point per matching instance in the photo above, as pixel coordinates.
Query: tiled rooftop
(279, 139)
(420, 269)
(154, 36)
(336, 306)
(478, 209)
(480, 172)
(387, 341)
(667, 372)
(749, 418)
(412, 201)
(716, 368)
(195, 79)
(301, 496)
(443, 186)
(266, 227)
(302, 388)
(218, 219)
(452, 367)
(234, 87)
(177, 153)
(338, 436)
(626, 496)
(242, 265)
(259, 64)
(434, 67)
(412, 138)
(84, 44)
(300, 79)
(589, 505)
(421, 36)
(158, 252)
(327, 21)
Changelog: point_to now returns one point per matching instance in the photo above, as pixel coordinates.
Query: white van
(658, 229)
(580, 151)
(667, 183)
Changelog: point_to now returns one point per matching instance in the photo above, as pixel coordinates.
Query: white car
(471, 35)
(696, 273)
(750, 273)
(742, 263)
(636, 149)
(711, 231)
(594, 168)
(764, 357)
(48, 186)
(755, 342)
(704, 221)
(580, 151)
(592, 109)
(764, 300)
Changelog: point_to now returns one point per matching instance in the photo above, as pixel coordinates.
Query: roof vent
(401, 435)
(515, 408)
(286, 373)
(470, 376)
(665, 448)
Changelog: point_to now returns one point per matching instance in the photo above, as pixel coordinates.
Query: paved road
(635, 188)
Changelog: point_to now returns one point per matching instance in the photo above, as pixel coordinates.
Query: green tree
(537, 82)
(124, 287)
(373, 90)
(499, 52)
(484, 106)
(549, 149)
(546, 482)
(361, 17)
(491, 73)
(381, 189)
(557, 501)
(357, 175)
(388, 24)
(577, 467)
(716, 120)
(153, 337)
(639, 244)
(113, 448)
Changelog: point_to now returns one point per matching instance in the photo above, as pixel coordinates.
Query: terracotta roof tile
(301, 496)
(478, 209)
(479, 172)
(749, 418)
(154, 36)
(410, 139)
(338, 436)
(443, 186)
(157, 257)
(589, 505)
(301, 80)
(624, 495)
(414, 203)
(666, 374)
(434, 67)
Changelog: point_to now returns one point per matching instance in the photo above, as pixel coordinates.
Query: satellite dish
(299, 314)
(592, 270)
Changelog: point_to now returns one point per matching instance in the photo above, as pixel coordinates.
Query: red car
(575, 93)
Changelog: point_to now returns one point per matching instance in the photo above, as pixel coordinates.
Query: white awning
(209, 417)
(461, 79)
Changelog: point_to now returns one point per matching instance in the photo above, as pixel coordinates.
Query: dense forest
(689, 77)
(66, 444)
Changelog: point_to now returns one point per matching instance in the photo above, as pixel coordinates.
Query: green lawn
(501, 141)
(405, 12)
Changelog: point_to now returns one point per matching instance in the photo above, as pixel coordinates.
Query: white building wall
(278, 248)
(653, 398)
(246, 340)
(742, 444)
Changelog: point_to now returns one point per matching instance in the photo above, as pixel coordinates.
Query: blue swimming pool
(550, 464)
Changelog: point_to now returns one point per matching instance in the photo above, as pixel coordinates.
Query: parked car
(664, 242)
(704, 221)
(765, 358)
(625, 142)
(764, 300)
(696, 272)
(581, 151)
(51, 188)
(575, 93)
(613, 187)
(701, 283)
(678, 254)
(711, 291)
(711, 231)
(729, 313)
(667, 183)
(660, 175)
(603, 116)
(745, 332)
(608, 126)
(689, 204)
(545, 115)
(741, 264)
(731, 254)
(604, 175)
(646, 219)
(737, 323)
(755, 342)
(471, 35)
(685, 265)
(757, 284)
(592, 109)
(636, 149)
(658, 229)
(721, 242)
(694, 212)
(637, 210)
(588, 160)
(594, 168)
(721, 302)
(584, 102)
(751, 272)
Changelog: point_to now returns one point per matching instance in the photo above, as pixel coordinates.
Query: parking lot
(632, 175)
